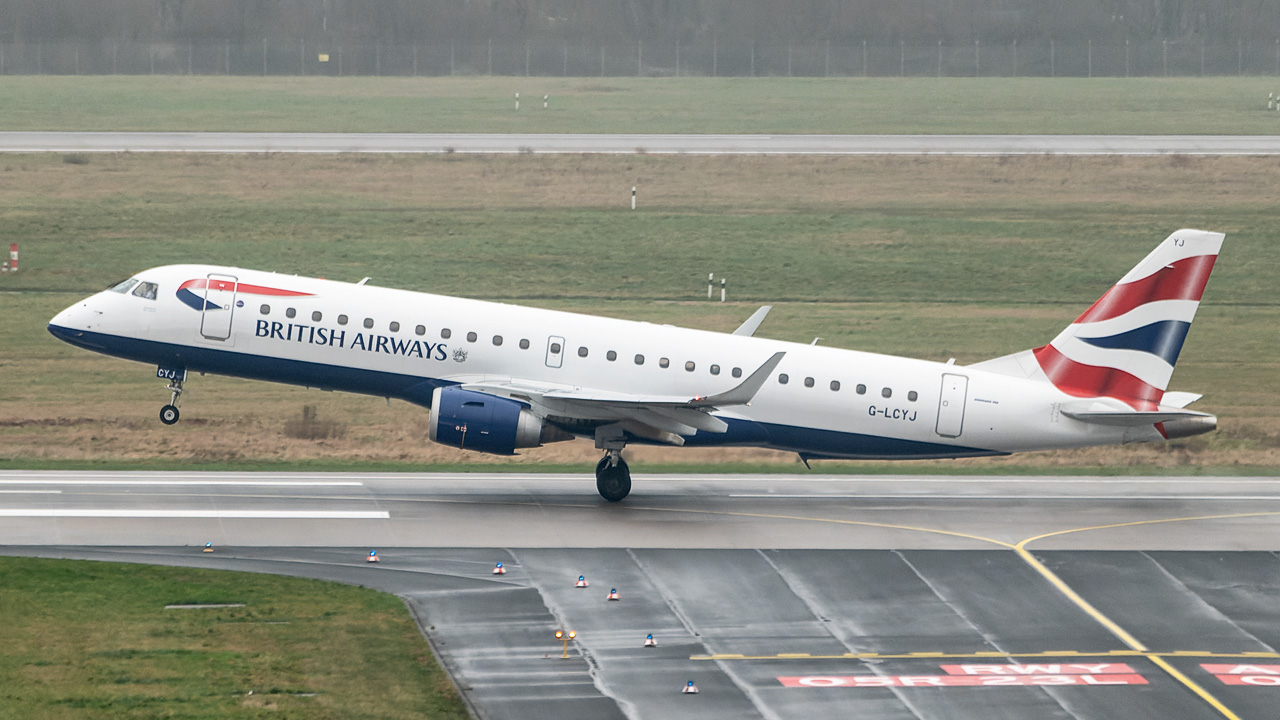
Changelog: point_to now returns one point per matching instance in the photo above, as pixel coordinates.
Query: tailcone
(1187, 427)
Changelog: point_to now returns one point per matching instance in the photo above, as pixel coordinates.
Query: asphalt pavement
(779, 596)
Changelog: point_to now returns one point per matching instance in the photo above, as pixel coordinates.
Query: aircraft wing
(661, 417)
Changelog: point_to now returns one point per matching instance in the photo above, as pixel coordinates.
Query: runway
(233, 142)
(780, 596)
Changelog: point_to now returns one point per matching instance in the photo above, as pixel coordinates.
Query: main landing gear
(613, 477)
(169, 413)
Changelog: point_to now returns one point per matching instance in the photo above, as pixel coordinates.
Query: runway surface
(780, 596)
(232, 142)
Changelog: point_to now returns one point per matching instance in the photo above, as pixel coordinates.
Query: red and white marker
(582, 581)
(690, 689)
(373, 557)
(613, 595)
(499, 570)
(13, 257)
(650, 642)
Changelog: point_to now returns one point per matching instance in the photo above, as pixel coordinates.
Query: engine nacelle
(486, 423)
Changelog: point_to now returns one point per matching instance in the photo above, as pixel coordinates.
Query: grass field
(1195, 106)
(929, 257)
(94, 640)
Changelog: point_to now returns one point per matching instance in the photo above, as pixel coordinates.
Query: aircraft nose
(73, 321)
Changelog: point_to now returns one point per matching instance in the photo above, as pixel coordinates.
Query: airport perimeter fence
(295, 57)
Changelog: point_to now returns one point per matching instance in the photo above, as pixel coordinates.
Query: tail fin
(1126, 344)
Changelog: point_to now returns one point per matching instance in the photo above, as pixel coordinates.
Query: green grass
(926, 257)
(1221, 105)
(93, 640)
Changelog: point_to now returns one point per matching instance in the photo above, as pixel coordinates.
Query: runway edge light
(650, 642)
(582, 581)
(499, 570)
(613, 595)
(373, 557)
(690, 689)
(208, 547)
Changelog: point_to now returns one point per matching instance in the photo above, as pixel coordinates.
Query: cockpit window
(146, 290)
(123, 286)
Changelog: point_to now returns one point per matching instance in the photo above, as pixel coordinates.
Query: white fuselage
(397, 343)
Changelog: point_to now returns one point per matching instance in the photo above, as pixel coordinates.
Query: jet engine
(486, 423)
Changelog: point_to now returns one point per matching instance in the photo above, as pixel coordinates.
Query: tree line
(589, 22)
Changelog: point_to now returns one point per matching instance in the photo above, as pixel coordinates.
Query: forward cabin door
(219, 307)
(951, 405)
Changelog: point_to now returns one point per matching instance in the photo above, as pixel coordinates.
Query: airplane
(497, 378)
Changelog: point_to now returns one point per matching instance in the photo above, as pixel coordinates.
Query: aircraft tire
(613, 483)
(168, 414)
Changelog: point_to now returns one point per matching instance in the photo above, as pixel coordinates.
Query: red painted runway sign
(1255, 675)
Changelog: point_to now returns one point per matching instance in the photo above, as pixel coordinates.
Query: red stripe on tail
(1182, 280)
(1080, 380)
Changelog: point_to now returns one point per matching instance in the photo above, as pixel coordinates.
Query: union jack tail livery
(1125, 345)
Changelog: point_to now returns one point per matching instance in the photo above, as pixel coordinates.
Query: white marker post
(711, 279)
(722, 289)
(544, 101)
(13, 257)
(633, 197)
(517, 101)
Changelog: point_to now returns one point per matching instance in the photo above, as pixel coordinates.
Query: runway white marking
(244, 483)
(215, 514)
(928, 496)
(32, 492)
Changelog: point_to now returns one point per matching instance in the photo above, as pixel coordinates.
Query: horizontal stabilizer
(1105, 413)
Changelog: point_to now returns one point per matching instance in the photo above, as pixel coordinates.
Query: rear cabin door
(951, 405)
(219, 306)
(555, 351)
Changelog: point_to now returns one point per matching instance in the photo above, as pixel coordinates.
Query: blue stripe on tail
(1163, 339)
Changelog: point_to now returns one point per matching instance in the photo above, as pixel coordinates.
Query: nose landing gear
(169, 413)
(613, 477)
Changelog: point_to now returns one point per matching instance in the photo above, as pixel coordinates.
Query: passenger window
(420, 330)
(737, 372)
(497, 339)
(555, 348)
(639, 359)
(862, 389)
(611, 356)
(146, 291)
(446, 333)
(290, 313)
(395, 326)
(582, 352)
(342, 319)
(912, 396)
(835, 385)
(123, 286)
(524, 344)
(689, 366)
(808, 382)
(265, 309)
(471, 337)
(782, 379)
(315, 316)
(368, 322)
(663, 362)
(886, 392)
(715, 369)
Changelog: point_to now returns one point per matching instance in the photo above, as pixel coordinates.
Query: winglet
(752, 324)
(742, 394)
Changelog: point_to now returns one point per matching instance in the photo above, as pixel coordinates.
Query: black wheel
(168, 414)
(613, 483)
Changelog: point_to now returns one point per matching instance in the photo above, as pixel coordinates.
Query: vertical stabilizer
(1126, 344)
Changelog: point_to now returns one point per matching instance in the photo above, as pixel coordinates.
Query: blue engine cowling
(478, 421)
